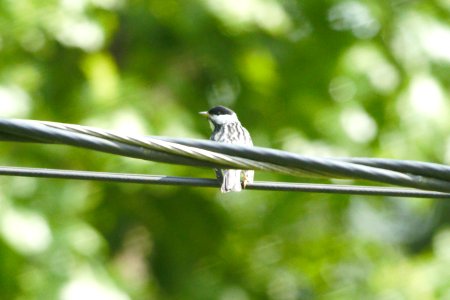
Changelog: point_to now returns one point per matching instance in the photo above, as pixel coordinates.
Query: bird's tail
(231, 181)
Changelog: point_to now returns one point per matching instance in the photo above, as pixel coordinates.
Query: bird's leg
(244, 181)
(248, 177)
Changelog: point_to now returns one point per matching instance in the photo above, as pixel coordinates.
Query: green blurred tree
(331, 78)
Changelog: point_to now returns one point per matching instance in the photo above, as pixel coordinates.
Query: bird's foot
(244, 182)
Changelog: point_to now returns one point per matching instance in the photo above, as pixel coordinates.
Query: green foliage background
(330, 78)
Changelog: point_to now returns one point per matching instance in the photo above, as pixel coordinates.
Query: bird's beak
(204, 114)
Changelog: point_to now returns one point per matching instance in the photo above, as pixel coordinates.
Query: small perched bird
(227, 129)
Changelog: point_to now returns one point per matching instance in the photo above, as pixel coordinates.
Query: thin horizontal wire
(281, 159)
(92, 138)
(294, 164)
(413, 167)
(206, 182)
(369, 169)
(106, 176)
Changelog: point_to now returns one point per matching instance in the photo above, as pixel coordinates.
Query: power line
(405, 173)
(203, 153)
(206, 182)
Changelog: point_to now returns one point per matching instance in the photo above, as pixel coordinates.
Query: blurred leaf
(321, 78)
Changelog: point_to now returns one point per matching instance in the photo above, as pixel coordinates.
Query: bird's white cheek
(224, 119)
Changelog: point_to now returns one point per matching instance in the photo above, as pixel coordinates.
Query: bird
(226, 128)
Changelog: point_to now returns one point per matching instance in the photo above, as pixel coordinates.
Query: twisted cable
(205, 153)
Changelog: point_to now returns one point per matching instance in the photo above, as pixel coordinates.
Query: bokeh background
(325, 78)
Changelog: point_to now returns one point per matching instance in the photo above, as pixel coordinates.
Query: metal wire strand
(178, 149)
(211, 154)
(45, 134)
(407, 166)
(404, 173)
(205, 182)
(293, 164)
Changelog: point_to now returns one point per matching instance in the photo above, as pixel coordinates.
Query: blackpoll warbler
(227, 129)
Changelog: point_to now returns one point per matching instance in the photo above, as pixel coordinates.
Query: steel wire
(206, 182)
(211, 154)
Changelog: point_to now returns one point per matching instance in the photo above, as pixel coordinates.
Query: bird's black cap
(220, 110)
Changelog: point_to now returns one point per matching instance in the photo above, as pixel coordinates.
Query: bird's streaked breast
(233, 133)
